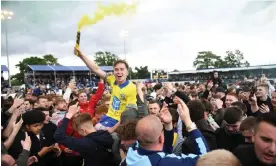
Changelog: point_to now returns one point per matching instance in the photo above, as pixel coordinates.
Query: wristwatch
(191, 127)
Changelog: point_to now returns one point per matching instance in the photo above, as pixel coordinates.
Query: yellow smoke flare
(101, 12)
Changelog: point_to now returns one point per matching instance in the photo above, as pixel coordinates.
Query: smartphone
(253, 91)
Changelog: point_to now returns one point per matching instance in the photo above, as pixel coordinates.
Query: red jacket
(88, 107)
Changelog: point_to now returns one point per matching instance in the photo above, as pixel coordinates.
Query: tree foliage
(235, 59)
(23, 65)
(50, 59)
(141, 72)
(175, 70)
(105, 58)
(207, 59)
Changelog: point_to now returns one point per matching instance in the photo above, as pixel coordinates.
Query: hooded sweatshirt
(137, 156)
(95, 148)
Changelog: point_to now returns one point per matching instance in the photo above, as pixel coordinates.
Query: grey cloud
(50, 27)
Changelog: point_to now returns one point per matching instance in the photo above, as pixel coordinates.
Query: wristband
(191, 127)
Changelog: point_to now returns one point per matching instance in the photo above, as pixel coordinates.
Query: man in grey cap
(128, 116)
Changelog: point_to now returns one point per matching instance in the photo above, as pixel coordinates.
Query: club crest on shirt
(123, 97)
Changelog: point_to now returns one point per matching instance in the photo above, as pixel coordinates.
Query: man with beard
(123, 91)
(263, 151)
(229, 137)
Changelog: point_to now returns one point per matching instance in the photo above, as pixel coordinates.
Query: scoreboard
(159, 74)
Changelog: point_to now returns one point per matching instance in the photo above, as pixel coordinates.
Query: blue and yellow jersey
(122, 96)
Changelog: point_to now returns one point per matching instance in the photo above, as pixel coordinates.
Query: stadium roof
(65, 68)
(273, 66)
(4, 68)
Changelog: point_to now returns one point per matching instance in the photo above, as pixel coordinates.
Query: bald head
(7, 159)
(148, 130)
(218, 157)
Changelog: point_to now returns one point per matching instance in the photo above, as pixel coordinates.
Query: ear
(27, 127)
(161, 139)
(80, 131)
(253, 138)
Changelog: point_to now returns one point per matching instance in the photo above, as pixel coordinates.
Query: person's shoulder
(100, 136)
(219, 130)
(52, 125)
(208, 134)
(245, 147)
(130, 86)
(245, 152)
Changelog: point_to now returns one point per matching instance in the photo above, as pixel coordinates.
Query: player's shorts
(106, 122)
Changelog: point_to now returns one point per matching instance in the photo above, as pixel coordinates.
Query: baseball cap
(129, 114)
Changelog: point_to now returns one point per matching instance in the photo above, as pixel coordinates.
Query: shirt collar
(123, 84)
(143, 151)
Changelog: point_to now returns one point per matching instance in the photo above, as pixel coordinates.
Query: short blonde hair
(218, 157)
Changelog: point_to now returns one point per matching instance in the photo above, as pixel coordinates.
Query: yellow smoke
(102, 11)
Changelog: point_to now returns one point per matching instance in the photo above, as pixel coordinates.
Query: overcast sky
(161, 34)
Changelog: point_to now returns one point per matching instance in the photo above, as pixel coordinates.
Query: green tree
(105, 58)
(142, 72)
(50, 59)
(15, 82)
(23, 65)
(132, 74)
(235, 59)
(206, 59)
(220, 63)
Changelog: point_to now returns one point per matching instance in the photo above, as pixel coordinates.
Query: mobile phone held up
(253, 91)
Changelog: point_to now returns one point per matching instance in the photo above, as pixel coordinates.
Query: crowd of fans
(48, 81)
(208, 124)
(230, 77)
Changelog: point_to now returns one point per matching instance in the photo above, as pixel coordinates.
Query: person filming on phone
(260, 102)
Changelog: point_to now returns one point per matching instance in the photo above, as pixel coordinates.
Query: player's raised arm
(90, 64)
